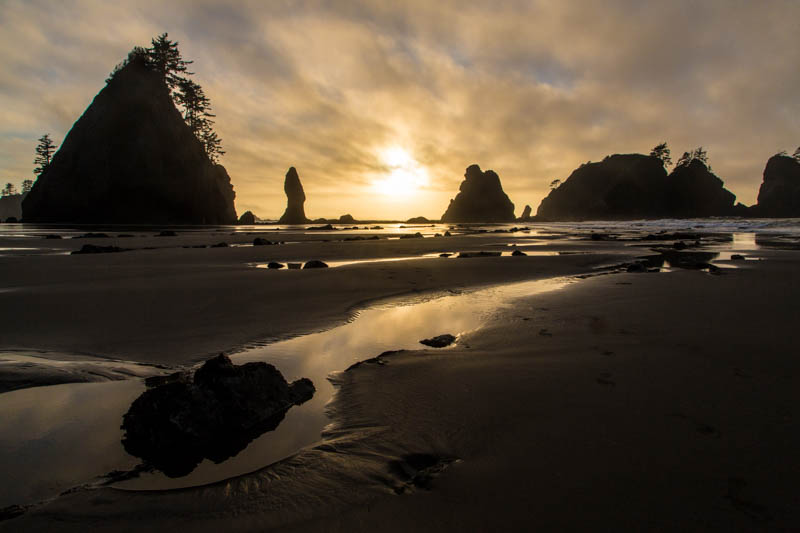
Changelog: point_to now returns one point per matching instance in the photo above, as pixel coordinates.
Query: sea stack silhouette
(631, 186)
(480, 199)
(779, 195)
(295, 198)
(130, 158)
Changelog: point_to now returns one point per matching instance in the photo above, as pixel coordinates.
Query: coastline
(652, 401)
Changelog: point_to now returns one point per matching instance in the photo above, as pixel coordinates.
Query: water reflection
(53, 438)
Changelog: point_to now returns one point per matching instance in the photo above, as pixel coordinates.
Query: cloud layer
(529, 89)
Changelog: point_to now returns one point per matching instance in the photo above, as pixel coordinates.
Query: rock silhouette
(630, 186)
(779, 195)
(213, 414)
(247, 218)
(295, 198)
(526, 213)
(11, 206)
(130, 158)
(480, 199)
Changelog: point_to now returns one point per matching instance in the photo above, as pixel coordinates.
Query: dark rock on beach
(480, 199)
(314, 263)
(213, 415)
(260, 241)
(479, 254)
(94, 249)
(92, 236)
(131, 158)
(275, 265)
(518, 253)
(440, 341)
(167, 233)
(295, 199)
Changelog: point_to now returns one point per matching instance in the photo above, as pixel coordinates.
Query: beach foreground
(625, 401)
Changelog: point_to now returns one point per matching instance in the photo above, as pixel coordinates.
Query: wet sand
(622, 402)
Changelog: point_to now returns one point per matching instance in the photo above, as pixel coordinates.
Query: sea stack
(480, 199)
(632, 186)
(130, 158)
(526, 213)
(779, 195)
(295, 198)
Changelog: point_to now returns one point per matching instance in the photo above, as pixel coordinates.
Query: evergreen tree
(9, 190)
(44, 153)
(165, 58)
(662, 152)
(698, 154)
(796, 154)
(27, 185)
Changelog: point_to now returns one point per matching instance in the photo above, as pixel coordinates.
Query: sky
(381, 106)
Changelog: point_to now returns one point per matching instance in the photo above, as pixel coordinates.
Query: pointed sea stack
(480, 199)
(295, 198)
(779, 195)
(130, 158)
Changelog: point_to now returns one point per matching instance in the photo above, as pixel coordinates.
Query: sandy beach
(620, 401)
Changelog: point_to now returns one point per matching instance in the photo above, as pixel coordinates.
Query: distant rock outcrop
(779, 195)
(295, 198)
(634, 186)
(346, 219)
(526, 213)
(11, 206)
(130, 158)
(480, 199)
(418, 220)
(247, 218)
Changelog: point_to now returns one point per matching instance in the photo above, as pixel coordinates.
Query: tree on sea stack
(796, 153)
(166, 59)
(9, 190)
(698, 154)
(662, 152)
(27, 185)
(44, 153)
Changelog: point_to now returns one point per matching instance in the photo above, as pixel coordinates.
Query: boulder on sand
(213, 414)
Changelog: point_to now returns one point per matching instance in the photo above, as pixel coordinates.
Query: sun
(403, 175)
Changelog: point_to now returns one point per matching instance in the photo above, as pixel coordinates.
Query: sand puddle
(55, 438)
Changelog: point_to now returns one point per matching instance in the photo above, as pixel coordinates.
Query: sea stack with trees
(134, 157)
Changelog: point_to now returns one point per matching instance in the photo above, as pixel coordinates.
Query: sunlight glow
(404, 176)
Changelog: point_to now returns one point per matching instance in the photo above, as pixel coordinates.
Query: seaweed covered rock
(480, 199)
(295, 198)
(131, 158)
(779, 195)
(213, 414)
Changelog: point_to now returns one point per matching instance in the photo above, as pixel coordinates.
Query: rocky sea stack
(631, 186)
(295, 198)
(779, 195)
(480, 199)
(131, 158)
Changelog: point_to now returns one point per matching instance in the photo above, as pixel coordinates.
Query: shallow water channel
(58, 437)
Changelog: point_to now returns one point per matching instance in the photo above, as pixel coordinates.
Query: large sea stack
(130, 158)
(11, 206)
(632, 186)
(779, 195)
(295, 198)
(480, 199)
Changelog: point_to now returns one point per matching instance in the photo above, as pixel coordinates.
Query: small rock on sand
(440, 341)
(314, 263)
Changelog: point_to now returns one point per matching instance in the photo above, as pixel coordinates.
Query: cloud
(531, 89)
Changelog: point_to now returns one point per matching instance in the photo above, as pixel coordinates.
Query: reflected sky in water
(54, 438)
